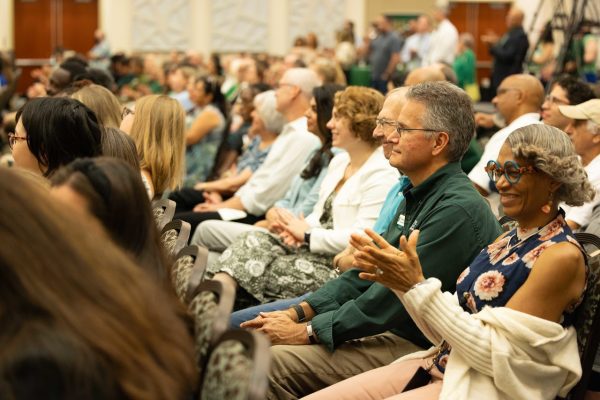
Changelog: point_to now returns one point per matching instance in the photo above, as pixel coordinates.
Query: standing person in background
(509, 51)
(443, 39)
(99, 55)
(464, 64)
(417, 45)
(542, 61)
(383, 53)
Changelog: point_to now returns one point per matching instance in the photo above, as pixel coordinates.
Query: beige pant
(297, 371)
(384, 383)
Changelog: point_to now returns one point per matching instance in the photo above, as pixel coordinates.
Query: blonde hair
(550, 150)
(102, 102)
(158, 133)
(360, 105)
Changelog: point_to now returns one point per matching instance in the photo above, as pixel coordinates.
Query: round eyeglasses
(511, 171)
(13, 138)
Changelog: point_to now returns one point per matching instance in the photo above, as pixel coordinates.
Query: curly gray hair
(550, 150)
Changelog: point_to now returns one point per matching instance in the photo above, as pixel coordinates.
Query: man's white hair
(306, 79)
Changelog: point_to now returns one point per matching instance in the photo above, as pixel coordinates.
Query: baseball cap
(589, 110)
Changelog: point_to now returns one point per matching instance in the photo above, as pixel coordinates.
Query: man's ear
(440, 143)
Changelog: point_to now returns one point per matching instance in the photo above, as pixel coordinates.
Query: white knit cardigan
(497, 353)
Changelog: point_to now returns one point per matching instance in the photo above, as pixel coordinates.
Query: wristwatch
(300, 312)
(312, 337)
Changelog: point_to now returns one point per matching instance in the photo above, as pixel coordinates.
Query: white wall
(118, 19)
(6, 25)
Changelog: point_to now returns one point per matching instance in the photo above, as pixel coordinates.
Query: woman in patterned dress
(507, 333)
(266, 266)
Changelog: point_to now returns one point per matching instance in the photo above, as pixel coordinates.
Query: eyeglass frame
(13, 139)
(400, 129)
(555, 100)
(381, 122)
(499, 171)
(127, 111)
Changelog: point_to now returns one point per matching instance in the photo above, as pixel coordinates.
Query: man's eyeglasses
(555, 100)
(383, 122)
(126, 111)
(12, 139)
(401, 130)
(511, 171)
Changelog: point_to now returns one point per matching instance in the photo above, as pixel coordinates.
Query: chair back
(587, 322)
(238, 367)
(188, 271)
(174, 237)
(163, 211)
(210, 307)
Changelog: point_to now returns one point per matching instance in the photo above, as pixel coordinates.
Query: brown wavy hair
(77, 318)
(360, 105)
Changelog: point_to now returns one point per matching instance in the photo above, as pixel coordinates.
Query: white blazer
(356, 205)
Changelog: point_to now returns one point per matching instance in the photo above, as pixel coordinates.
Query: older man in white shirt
(518, 99)
(443, 40)
(584, 131)
(285, 160)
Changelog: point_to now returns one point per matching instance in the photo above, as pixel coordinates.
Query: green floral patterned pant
(267, 269)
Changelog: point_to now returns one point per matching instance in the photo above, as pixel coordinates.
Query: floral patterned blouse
(502, 267)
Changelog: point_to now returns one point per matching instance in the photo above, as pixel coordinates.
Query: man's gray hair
(306, 79)
(447, 109)
(265, 104)
(593, 127)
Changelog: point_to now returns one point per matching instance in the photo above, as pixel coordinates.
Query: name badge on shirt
(401, 219)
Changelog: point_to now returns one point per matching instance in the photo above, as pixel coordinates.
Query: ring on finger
(378, 271)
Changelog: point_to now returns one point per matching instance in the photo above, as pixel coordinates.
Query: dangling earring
(546, 208)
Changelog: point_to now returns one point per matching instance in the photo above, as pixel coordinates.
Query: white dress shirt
(286, 159)
(492, 148)
(418, 43)
(583, 214)
(443, 44)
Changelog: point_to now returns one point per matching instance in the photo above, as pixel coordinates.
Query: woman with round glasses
(507, 332)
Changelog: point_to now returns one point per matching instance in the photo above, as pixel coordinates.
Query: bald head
(514, 17)
(531, 87)
(424, 74)
(517, 95)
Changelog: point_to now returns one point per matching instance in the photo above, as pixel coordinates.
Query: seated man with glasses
(518, 100)
(342, 329)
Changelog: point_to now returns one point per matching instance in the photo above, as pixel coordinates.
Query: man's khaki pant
(297, 371)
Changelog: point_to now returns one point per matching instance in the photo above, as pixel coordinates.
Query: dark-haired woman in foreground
(112, 192)
(78, 320)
